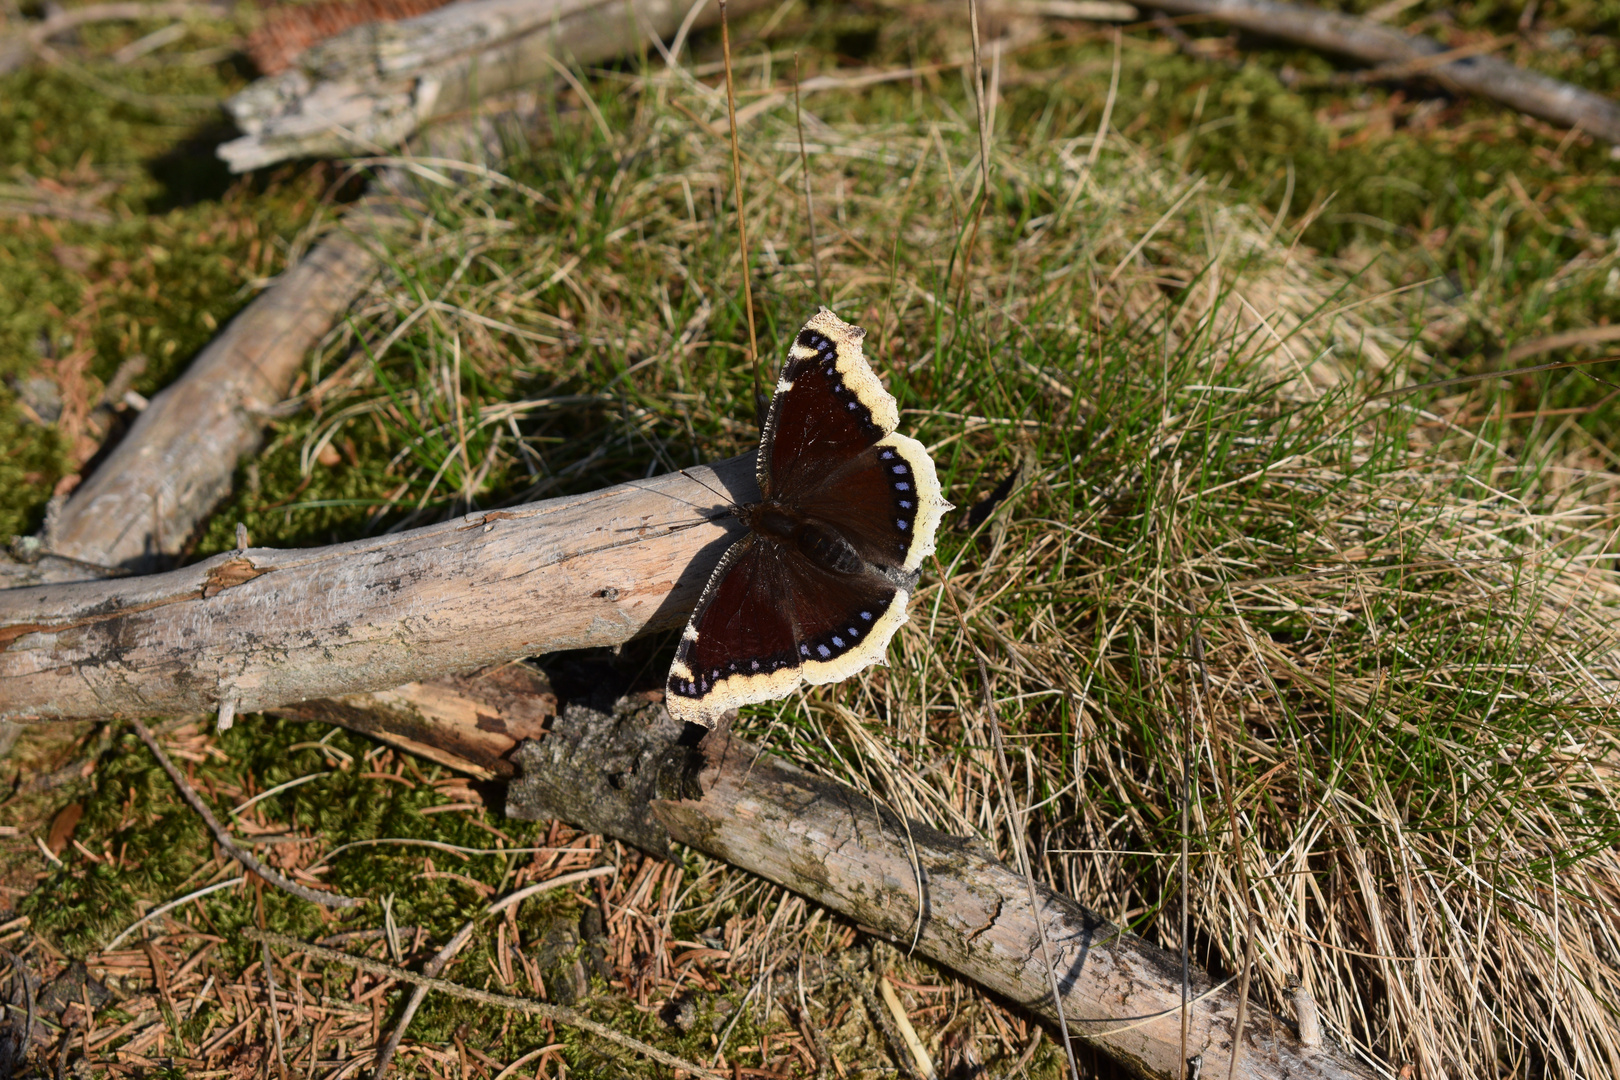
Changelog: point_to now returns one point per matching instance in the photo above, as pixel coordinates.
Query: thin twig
(223, 838)
(436, 965)
(804, 167)
(1021, 1066)
(742, 216)
(275, 1020)
(419, 993)
(555, 1013)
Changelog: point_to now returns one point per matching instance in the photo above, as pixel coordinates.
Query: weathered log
(622, 775)
(262, 628)
(1485, 76)
(376, 84)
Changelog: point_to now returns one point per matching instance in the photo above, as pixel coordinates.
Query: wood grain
(268, 628)
(470, 723)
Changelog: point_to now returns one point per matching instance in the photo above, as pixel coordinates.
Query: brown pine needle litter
(1405, 670)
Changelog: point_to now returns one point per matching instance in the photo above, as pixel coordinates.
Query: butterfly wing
(885, 501)
(828, 407)
(775, 615)
(769, 620)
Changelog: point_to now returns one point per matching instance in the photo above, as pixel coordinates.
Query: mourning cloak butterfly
(818, 586)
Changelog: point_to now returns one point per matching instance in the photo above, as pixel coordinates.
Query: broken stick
(1528, 91)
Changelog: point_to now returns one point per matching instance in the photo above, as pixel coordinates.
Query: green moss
(134, 814)
(31, 460)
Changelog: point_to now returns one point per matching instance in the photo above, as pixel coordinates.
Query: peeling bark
(470, 723)
(376, 84)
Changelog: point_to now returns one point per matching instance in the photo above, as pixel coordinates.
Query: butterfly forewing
(828, 407)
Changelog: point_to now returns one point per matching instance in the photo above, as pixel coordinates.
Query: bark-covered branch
(1485, 76)
(263, 628)
(623, 776)
(376, 84)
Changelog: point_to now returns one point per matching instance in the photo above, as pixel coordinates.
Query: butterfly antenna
(742, 216)
(804, 166)
(699, 480)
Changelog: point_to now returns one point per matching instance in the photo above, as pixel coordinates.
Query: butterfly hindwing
(770, 620)
(843, 621)
(885, 501)
(739, 627)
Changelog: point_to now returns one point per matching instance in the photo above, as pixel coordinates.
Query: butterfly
(818, 585)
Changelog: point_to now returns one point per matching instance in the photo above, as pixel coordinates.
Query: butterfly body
(818, 585)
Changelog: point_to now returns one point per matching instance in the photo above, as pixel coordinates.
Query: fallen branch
(261, 628)
(145, 502)
(137, 511)
(1485, 76)
(624, 777)
(376, 84)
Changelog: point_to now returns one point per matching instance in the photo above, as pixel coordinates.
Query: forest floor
(1372, 632)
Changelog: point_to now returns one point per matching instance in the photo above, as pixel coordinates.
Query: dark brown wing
(828, 407)
(885, 501)
(769, 620)
(822, 604)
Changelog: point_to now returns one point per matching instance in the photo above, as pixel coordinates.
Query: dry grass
(1374, 644)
